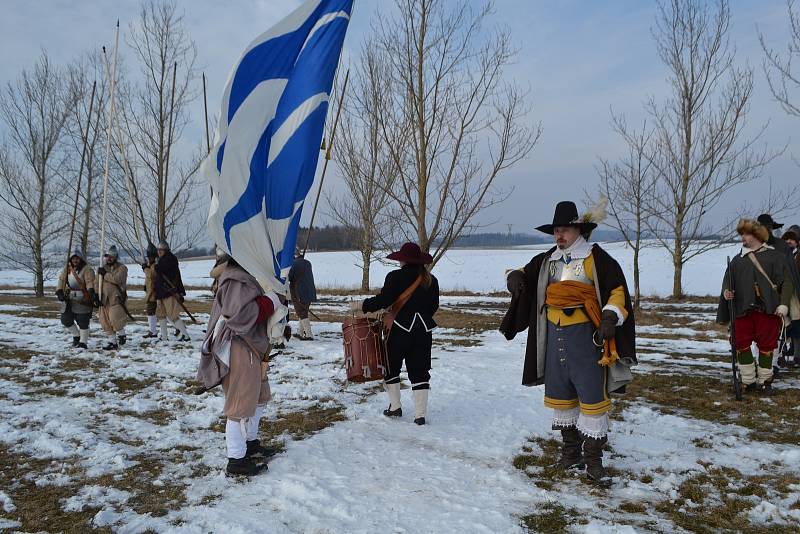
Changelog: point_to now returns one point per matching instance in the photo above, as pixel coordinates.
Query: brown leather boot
(593, 456)
(571, 457)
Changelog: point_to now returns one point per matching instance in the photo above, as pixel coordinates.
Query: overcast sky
(579, 58)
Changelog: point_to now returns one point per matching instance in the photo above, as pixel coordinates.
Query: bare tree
(154, 114)
(699, 151)
(784, 81)
(628, 186)
(450, 122)
(35, 110)
(364, 162)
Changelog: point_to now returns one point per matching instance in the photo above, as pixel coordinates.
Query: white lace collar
(580, 249)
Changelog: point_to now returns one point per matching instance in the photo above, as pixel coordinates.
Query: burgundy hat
(411, 253)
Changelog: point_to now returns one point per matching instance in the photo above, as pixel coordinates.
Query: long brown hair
(426, 276)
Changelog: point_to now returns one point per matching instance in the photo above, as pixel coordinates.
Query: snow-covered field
(475, 270)
(120, 441)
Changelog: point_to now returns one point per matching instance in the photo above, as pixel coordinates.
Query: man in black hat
(574, 301)
(781, 246)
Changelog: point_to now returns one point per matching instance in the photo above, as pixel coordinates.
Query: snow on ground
(99, 416)
(475, 270)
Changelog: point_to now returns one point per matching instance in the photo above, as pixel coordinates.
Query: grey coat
(749, 283)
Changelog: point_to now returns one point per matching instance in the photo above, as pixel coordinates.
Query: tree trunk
(677, 263)
(366, 257)
(636, 290)
(38, 253)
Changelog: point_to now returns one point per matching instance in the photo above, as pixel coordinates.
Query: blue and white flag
(267, 143)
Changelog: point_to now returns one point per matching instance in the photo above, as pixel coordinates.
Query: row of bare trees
(429, 125)
(45, 119)
(693, 148)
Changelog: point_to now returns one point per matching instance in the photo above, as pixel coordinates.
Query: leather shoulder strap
(760, 269)
(397, 305)
(405, 295)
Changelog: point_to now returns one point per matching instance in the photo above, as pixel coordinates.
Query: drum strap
(394, 309)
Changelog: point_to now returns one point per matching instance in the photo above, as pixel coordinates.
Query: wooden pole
(205, 110)
(80, 172)
(327, 159)
(108, 156)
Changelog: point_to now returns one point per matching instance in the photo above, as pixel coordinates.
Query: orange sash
(572, 294)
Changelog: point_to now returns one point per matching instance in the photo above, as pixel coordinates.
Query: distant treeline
(330, 238)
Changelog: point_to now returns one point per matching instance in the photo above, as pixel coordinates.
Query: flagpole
(327, 159)
(80, 172)
(108, 156)
(205, 111)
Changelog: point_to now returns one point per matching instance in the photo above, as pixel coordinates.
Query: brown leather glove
(608, 324)
(516, 283)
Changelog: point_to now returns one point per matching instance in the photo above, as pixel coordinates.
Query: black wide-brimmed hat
(566, 214)
(411, 253)
(766, 220)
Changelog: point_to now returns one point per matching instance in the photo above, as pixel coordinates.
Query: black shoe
(766, 389)
(782, 361)
(184, 338)
(76, 341)
(593, 456)
(419, 421)
(176, 333)
(388, 412)
(279, 346)
(110, 346)
(121, 340)
(244, 466)
(255, 448)
(571, 450)
(749, 388)
(149, 335)
(82, 346)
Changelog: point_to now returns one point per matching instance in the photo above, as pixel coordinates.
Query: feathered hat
(566, 214)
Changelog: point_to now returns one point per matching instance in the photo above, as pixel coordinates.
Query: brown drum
(365, 355)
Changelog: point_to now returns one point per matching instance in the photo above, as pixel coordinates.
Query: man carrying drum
(413, 293)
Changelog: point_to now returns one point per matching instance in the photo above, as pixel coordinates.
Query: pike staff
(108, 157)
(80, 171)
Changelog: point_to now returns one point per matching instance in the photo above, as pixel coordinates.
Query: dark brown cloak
(524, 310)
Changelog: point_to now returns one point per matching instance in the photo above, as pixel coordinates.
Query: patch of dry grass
(709, 398)
(718, 499)
(552, 519)
(39, 508)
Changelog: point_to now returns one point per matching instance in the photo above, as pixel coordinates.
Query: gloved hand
(97, 302)
(60, 295)
(782, 311)
(608, 324)
(356, 306)
(516, 283)
(101, 271)
(144, 266)
(180, 297)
